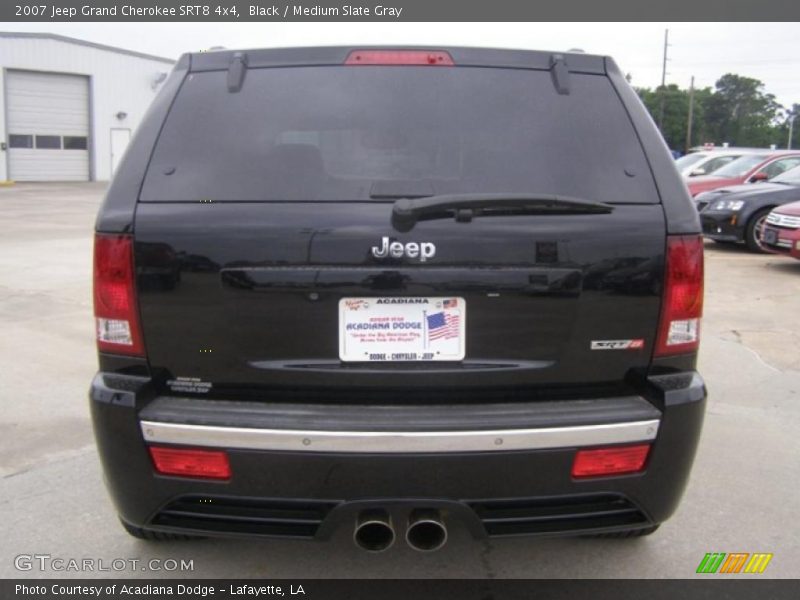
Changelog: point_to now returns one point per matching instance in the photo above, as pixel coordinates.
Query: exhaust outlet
(374, 531)
(426, 531)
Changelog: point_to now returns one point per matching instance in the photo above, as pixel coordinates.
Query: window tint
(20, 141)
(48, 141)
(346, 133)
(75, 142)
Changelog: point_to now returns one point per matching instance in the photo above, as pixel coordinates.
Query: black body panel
(258, 284)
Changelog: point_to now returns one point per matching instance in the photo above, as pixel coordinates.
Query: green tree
(737, 111)
(676, 113)
(741, 113)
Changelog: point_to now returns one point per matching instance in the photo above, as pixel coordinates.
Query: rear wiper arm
(406, 211)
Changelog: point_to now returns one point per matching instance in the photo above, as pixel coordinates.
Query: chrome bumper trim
(398, 441)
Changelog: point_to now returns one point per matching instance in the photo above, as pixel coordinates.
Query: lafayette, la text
(346, 10)
(193, 590)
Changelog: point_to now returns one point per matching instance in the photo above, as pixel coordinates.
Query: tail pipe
(374, 531)
(426, 531)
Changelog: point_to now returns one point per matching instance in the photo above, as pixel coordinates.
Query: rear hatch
(269, 217)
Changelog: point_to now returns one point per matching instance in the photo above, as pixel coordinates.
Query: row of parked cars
(766, 216)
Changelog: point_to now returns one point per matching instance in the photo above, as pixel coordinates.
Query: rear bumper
(300, 471)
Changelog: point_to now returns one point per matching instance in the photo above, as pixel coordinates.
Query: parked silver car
(705, 162)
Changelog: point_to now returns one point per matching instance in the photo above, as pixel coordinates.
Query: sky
(766, 51)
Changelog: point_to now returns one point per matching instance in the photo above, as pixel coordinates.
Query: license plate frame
(396, 329)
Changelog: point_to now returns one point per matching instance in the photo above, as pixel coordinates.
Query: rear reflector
(610, 461)
(400, 57)
(682, 307)
(208, 464)
(115, 310)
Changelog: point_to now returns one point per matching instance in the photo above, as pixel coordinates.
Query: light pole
(663, 82)
(791, 128)
(691, 113)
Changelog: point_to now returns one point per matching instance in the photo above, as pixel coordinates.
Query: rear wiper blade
(407, 211)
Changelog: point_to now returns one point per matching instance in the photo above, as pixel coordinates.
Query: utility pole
(691, 113)
(663, 81)
(791, 128)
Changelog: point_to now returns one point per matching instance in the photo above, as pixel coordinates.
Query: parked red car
(746, 169)
(781, 232)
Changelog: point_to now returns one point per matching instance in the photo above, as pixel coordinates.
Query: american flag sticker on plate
(443, 326)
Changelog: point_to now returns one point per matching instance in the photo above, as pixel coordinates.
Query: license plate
(770, 236)
(402, 329)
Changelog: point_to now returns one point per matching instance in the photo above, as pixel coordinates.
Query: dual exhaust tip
(425, 530)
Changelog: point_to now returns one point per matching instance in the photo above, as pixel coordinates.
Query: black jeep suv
(397, 290)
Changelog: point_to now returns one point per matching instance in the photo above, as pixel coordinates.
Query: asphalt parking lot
(742, 496)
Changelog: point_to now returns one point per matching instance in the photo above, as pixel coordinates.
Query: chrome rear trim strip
(398, 441)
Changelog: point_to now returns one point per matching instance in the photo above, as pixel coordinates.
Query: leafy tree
(676, 109)
(737, 111)
(741, 113)
(676, 113)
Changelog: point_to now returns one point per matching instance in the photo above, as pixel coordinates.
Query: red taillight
(679, 327)
(610, 461)
(400, 57)
(209, 464)
(115, 311)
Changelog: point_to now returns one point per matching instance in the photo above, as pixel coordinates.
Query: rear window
(361, 133)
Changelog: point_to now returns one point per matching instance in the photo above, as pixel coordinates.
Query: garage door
(48, 126)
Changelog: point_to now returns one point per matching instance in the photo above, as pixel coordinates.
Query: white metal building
(69, 107)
